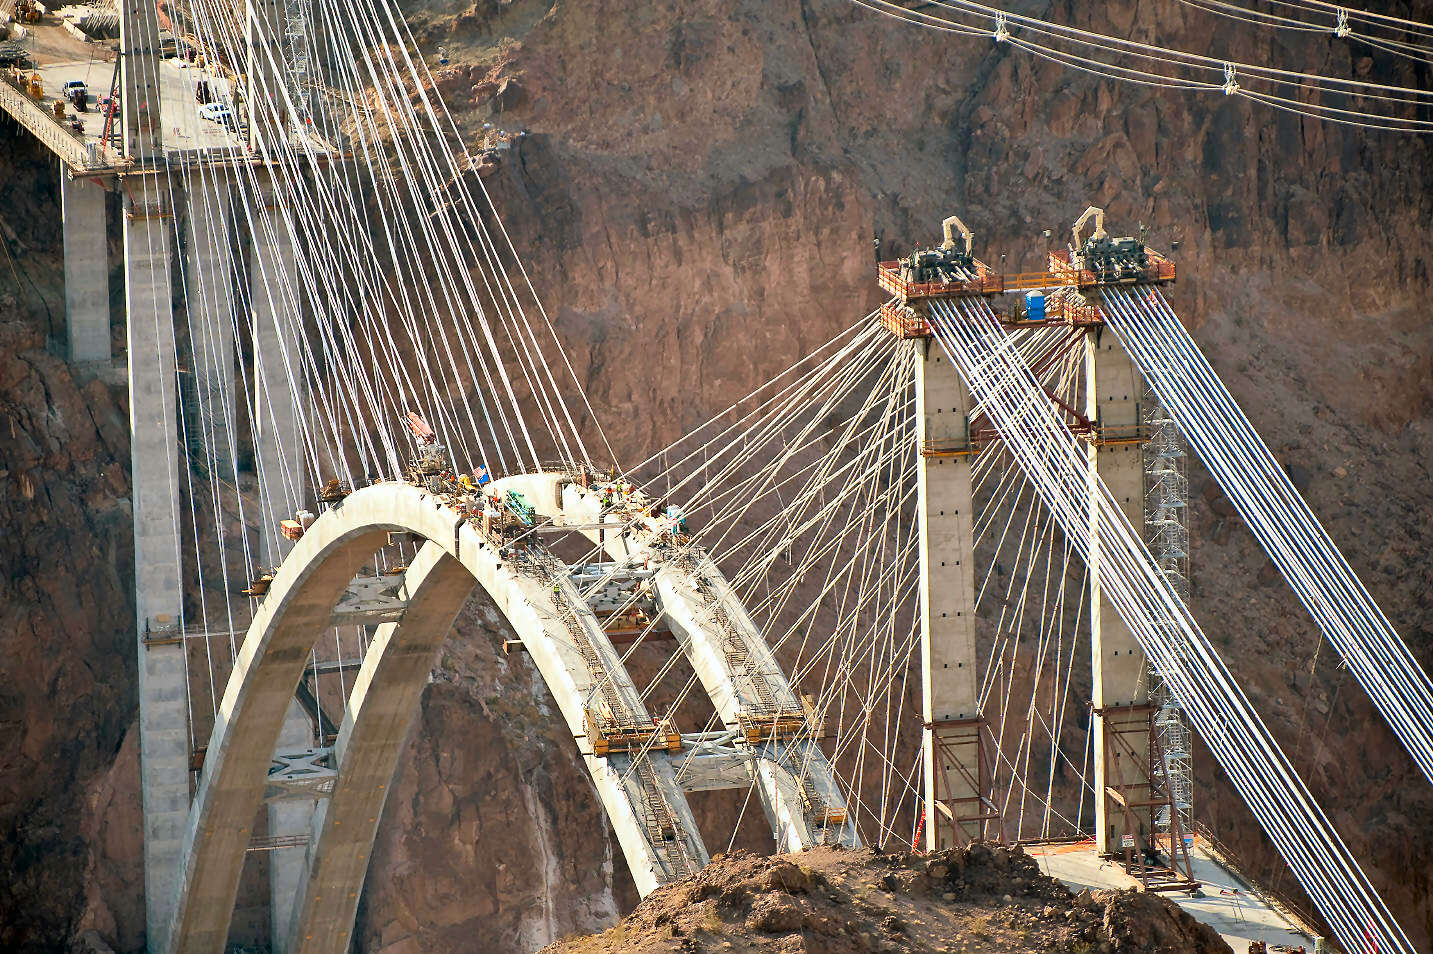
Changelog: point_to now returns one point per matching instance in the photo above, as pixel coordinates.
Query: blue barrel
(1035, 306)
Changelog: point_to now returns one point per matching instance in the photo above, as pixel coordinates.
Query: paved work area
(184, 129)
(60, 57)
(1228, 904)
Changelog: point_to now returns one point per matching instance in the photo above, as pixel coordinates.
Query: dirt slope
(975, 901)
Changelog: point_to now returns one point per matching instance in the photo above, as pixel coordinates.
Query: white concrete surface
(1113, 391)
(182, 130)
(684, 610)
(1227, 904)
(82, 208)
(293, 614)
(154, 450)
(949, 669)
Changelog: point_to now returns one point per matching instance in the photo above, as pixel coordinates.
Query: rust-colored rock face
(696, 201)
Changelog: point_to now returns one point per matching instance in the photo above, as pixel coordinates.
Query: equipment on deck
(1110, 260)
(431, 458)
(950, 262)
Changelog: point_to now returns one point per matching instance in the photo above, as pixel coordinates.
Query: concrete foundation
(1226, 902)
(82, 207)
(1113, 387)
(163, 721)
(950, 686)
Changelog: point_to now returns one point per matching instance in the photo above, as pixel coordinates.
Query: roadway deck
(61, 57)
(1229, 904)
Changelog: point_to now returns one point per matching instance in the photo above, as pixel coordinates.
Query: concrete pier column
(82, 209)
(949, 682)
(164, 742)
(284, 488)
(1113, 387)
(209, 297)
(278, 360)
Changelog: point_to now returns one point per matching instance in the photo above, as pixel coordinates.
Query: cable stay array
(384, 329)
(1344, 100)
(1249, 475)
(1049, 455)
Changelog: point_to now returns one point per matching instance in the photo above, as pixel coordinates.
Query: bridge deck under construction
(79, 139)
(1226, 902)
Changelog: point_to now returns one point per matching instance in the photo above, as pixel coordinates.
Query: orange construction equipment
(421, 430)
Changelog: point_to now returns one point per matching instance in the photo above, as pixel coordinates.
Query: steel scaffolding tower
(1166, 522)
(298, 57)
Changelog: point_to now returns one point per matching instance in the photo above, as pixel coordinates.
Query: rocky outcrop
(852, 902)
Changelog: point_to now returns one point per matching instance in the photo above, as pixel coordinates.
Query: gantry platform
(1226, 902)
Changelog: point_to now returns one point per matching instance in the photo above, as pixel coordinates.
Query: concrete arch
(798, 789)
(297, 609)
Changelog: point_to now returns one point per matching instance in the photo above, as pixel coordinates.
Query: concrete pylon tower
(1120, 697)
(950, 740)
(955, 801)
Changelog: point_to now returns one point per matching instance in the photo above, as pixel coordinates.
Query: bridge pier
(955, 783)
(163, 718)
(209, 298)
(273, 297)
(1113, 388)
(283, 489)
(82, 210)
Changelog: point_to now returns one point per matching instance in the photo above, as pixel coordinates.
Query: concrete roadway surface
(184, 129)
(1229, 905)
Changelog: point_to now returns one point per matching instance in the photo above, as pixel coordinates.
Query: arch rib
(751, 694)
(646, 806)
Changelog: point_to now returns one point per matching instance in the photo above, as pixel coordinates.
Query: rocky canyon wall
(696, 200)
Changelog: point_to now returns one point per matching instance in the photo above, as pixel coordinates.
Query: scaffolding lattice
(1166, 521)
(298, 57)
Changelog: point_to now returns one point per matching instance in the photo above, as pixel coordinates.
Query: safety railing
(902, 323)
(18, 103)
(985, 282)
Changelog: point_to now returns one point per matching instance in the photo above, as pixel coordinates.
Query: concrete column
(264, 40)
(283, 488)
(139, 58)
(154, 449)
(949, 682)
(82, 209)
(278, 360)
(1113, 390)
(209, 298)
(286, 865)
